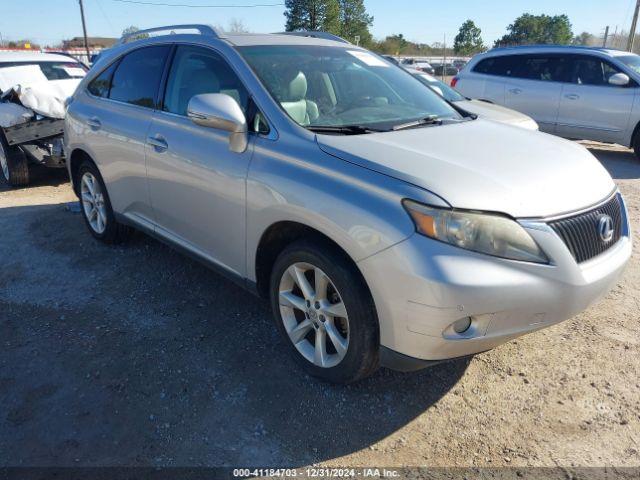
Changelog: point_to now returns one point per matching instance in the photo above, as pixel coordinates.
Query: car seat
(297, 106)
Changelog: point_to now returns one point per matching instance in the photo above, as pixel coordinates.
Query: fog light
(462, 325)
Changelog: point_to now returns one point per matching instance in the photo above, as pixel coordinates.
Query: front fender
(357, 208)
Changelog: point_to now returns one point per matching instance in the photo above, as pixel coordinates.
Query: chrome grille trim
(579, 232)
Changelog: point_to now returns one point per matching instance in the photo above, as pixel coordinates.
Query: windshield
(339, 87)
(54, 70)
(441, 88)
(631, 61)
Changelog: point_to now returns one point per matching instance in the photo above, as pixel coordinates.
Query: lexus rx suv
(385, 225)
(573, 92)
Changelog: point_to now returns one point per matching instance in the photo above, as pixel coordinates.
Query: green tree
(133, 29)
(313, 15)
(469, 39)
(538, 29)
(355, 21)
(585, 38)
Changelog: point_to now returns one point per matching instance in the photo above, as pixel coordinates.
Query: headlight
(485, 233)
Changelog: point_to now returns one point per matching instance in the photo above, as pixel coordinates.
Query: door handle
(515, 91)
(572, 96)
(158, 142)
(94, 123)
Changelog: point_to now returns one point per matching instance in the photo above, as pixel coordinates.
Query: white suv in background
(573, 92)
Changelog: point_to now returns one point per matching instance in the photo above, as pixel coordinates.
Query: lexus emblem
(605, 228)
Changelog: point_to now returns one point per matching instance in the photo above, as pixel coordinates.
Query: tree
(586, 39)
(538, 29)
(237, 26)
(355, 21)
(469, 39)
(133, 29)
(313, 15)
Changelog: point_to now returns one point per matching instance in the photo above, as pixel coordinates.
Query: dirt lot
(136, 355)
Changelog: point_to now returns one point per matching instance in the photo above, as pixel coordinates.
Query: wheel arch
(78, 157)
(283, 233)
(634, 135)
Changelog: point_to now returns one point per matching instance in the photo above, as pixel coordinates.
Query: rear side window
(100, 85)
(137, 76)
(544, 68)
(501, 66)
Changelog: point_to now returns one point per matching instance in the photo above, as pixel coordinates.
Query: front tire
(96, 207)
(325, 312)
(14, 165)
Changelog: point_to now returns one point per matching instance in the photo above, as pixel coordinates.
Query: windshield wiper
(344, 129)
(430, 120)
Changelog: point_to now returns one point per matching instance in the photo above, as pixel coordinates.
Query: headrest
(203, 81)
(298, 88)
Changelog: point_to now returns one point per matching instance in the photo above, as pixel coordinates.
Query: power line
(199, 6)
(105, 16)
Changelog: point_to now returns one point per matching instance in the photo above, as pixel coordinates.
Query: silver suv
(573, 92)
(385, 225)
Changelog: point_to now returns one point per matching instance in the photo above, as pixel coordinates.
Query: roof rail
(317, 34)
(201, 28)
(551, 45)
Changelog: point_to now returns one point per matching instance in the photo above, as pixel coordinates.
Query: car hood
(483, 165)
(497, 113)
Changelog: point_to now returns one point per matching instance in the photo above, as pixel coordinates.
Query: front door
(196, 184)
(590, 107)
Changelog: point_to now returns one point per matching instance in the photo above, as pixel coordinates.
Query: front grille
(581, 233)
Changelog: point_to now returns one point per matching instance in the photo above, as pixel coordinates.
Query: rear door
(117, 116)
(196, 184)
(533, 86)
(590, 107)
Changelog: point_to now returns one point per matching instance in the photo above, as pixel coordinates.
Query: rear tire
(96, 209)
(329, 324)
(14, 165)
(636, 145)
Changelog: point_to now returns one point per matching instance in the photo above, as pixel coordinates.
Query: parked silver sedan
(385, 226)
(482, 108)
(573, 92)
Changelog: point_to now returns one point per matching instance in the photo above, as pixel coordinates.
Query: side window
(587, 70)
(545, 68)
(500, 66)
(100, 85)
(138, 75)
(197, 70)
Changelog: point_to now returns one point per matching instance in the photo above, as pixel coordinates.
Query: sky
(49, 21)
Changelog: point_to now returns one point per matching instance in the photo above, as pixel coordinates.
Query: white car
(417, 64)
(573, 92)
(34, 87)
(481, 108)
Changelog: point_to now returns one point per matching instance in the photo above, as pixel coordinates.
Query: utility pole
(606, 35)
(84, 31)
(444, 56)
(634, 24)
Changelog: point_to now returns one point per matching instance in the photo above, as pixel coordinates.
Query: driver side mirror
(220, 111)
(619, 80)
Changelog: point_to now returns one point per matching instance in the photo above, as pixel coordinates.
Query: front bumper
(421, 287)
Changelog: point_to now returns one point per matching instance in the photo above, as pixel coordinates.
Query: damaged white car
(33, 90)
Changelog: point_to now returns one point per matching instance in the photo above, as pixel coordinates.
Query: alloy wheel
(93, 205)
(314, 315)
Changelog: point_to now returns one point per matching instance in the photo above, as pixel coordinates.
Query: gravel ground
(136, 355)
